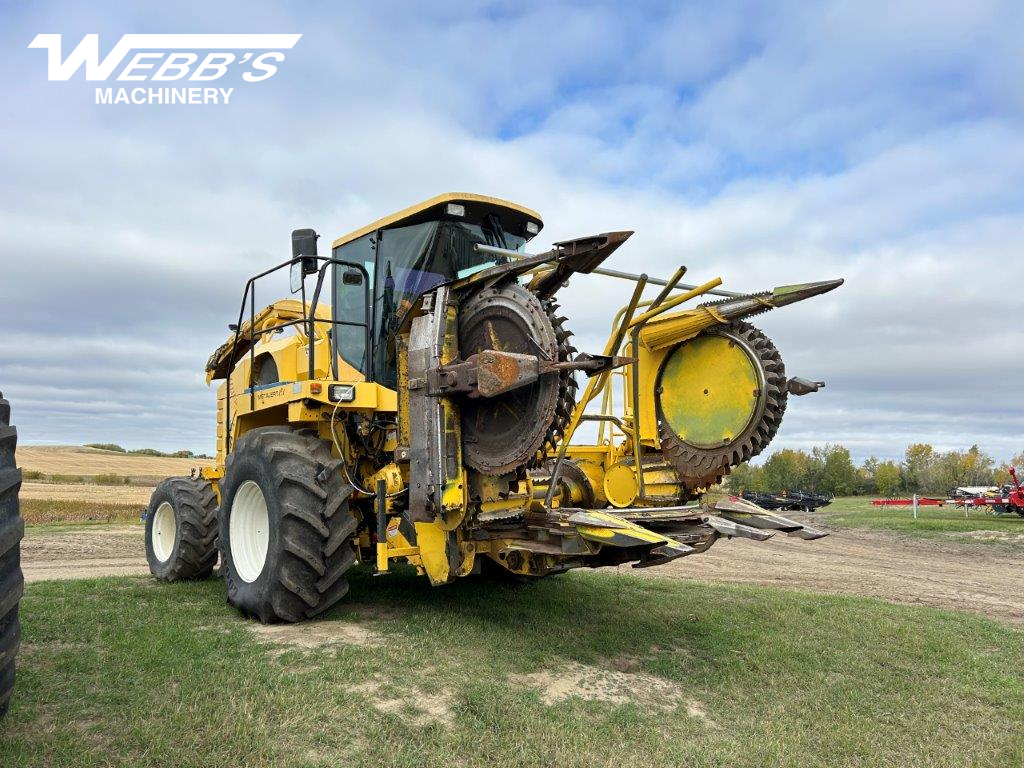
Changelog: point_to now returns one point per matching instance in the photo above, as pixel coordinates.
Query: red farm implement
(1009, 498)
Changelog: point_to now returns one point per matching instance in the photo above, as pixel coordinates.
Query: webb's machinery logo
(165, 58)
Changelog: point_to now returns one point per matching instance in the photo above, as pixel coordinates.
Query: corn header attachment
(431, 416)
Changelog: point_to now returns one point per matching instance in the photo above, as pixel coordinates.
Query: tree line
(830, 469)
(147, 451)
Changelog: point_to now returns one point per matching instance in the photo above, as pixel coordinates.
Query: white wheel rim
(249, 531)
(165, 529)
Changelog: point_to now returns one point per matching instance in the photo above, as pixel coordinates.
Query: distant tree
(106, 447)
(953, 469)
(888, 478)
(866, 475)
(918, 461)
(977, 467)
(745, 477)
(1001, 474)
(786, 470)
(836, 474)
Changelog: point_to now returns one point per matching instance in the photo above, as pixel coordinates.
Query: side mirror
(304, 247)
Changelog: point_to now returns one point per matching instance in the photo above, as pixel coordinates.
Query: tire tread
(314, 526)
(12, 530)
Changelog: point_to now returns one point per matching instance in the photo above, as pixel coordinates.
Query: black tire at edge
(12, 529)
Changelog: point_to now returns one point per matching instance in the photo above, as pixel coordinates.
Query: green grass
(858, 512)
(124, 672)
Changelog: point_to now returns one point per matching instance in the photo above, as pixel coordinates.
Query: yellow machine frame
(614, 464)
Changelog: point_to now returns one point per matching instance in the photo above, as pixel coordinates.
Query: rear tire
(12, 529)
(285, 526)
(181, 529)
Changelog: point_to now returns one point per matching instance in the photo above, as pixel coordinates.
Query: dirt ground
(83, 552)
(977, 578)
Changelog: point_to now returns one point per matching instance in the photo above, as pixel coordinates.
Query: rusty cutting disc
(504, 433)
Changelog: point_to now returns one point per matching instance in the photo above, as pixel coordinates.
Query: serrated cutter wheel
(720, 399)
(504, 433)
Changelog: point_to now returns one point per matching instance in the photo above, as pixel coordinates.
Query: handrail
(309, 319)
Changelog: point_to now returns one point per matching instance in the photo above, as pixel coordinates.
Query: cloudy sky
(880, 142)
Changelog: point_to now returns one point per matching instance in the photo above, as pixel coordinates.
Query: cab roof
(513, 217)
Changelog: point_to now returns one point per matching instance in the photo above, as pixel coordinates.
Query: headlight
(342, 393)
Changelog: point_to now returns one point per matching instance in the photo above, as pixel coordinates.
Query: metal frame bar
(577, 415)
(495, 251)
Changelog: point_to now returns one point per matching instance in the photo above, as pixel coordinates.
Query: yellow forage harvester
(418, 402)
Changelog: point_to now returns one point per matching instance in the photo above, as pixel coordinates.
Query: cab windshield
(403, 264)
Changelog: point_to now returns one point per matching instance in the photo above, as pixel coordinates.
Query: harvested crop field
(98, 494)
(89, 462)
(43, 503)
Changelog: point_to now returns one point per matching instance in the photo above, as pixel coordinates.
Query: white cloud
(881, 144)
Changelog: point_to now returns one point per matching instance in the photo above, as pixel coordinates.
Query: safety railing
(308, 321)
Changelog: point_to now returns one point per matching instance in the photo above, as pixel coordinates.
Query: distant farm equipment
(1005, 499)
(792, 501)
(921, 501)
(1000, 500)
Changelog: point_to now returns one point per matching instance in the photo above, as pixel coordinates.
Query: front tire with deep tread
(12, 529)
(308, 544)
(192, 551)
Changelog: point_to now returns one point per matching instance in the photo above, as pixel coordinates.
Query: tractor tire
(12, 528)
(181, 529)
(285, 526)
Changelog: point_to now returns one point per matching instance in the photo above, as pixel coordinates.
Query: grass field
(945, 522)
(582, 670)
(78, 461)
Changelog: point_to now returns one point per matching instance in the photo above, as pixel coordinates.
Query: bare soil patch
(84, 552)
(317, 634)
(987, 535)
(613, 686)
(414, 705)
(574, 680)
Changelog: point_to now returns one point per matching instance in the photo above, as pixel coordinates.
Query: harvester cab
(428, 415)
